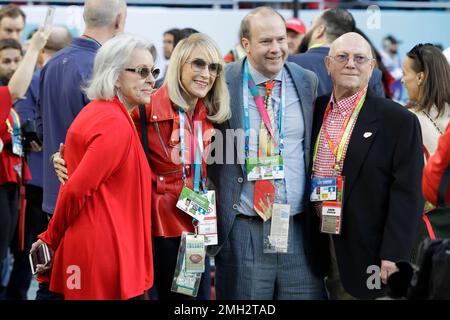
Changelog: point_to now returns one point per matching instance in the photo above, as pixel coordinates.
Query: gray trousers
(244, 272)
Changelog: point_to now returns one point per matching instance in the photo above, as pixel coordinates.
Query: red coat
(163, 135)
(102, 217)
(9, 163)
(5, 105)
(435, 167)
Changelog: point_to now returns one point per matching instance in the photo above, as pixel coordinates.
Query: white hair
(102, 13)
(111, 59)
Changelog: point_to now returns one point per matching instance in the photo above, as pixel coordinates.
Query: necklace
(441, 132)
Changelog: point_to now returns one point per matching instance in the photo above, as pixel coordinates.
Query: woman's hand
(39, 39)
(41, 268)
(59, 164)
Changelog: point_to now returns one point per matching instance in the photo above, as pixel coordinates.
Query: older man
(260, 254)
(367, 165)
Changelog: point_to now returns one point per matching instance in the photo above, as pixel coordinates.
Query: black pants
(165, 253)
(9, 213)
(35, 223)
(44, 293)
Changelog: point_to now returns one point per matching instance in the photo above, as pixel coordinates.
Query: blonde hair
(217, 100)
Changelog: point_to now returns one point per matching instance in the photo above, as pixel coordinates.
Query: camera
(29, 133)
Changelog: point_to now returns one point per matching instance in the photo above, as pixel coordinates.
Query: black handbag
(144, 131)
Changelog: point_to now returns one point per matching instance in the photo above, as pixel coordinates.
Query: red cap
(296, 25)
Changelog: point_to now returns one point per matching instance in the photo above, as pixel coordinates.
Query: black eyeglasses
(357, 59)
(198, 65)
(144, 72)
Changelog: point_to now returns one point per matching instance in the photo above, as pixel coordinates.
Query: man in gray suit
(244, 267)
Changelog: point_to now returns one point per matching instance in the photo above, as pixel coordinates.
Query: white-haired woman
(193, 96)
(101, 232)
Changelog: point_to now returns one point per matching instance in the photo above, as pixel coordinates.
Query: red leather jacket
(435, 168)
(163, 124)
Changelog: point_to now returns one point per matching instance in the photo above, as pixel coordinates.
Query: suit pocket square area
(367, 134)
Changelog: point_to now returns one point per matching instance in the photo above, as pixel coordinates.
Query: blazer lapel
(306, 106)
(234, 82)
(361, 139)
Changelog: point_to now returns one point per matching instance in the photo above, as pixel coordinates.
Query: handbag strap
(144, 131)
(443, 186)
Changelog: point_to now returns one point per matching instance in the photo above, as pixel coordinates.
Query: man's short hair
(12, 11)
(244, 31)
(337, 22)
(97, 14)
(58, 39)
(10, 44)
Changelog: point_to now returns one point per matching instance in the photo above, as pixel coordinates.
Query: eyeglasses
(144, 72)
(357, 59)
(198, 65)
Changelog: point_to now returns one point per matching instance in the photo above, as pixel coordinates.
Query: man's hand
(387, 269)
(35, 147)
(59, 164)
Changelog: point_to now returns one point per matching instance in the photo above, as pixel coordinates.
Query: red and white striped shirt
(325, 160)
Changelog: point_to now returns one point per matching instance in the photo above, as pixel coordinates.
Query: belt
(258, 218)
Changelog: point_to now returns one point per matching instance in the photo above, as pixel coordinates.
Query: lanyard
(196, 147)
(14, 130)
(248, 84)
(338, 150)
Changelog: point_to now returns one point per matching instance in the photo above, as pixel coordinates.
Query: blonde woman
(194, 89)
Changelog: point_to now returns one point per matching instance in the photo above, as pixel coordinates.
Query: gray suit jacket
(228, 178)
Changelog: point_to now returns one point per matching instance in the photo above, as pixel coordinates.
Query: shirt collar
(346, 105)
(259, 78)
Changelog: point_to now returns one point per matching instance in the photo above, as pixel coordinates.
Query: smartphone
(49, 19)
(40, 256)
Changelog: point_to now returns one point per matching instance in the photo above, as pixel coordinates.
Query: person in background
(295, 32)
(10, 58)
(426, 77)
(170, 39)
(186, 32)
(12, 22)
(10, 163)
(391, 59)
(181, 34)
(102, 221)
(329, 25)
(35, 219)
